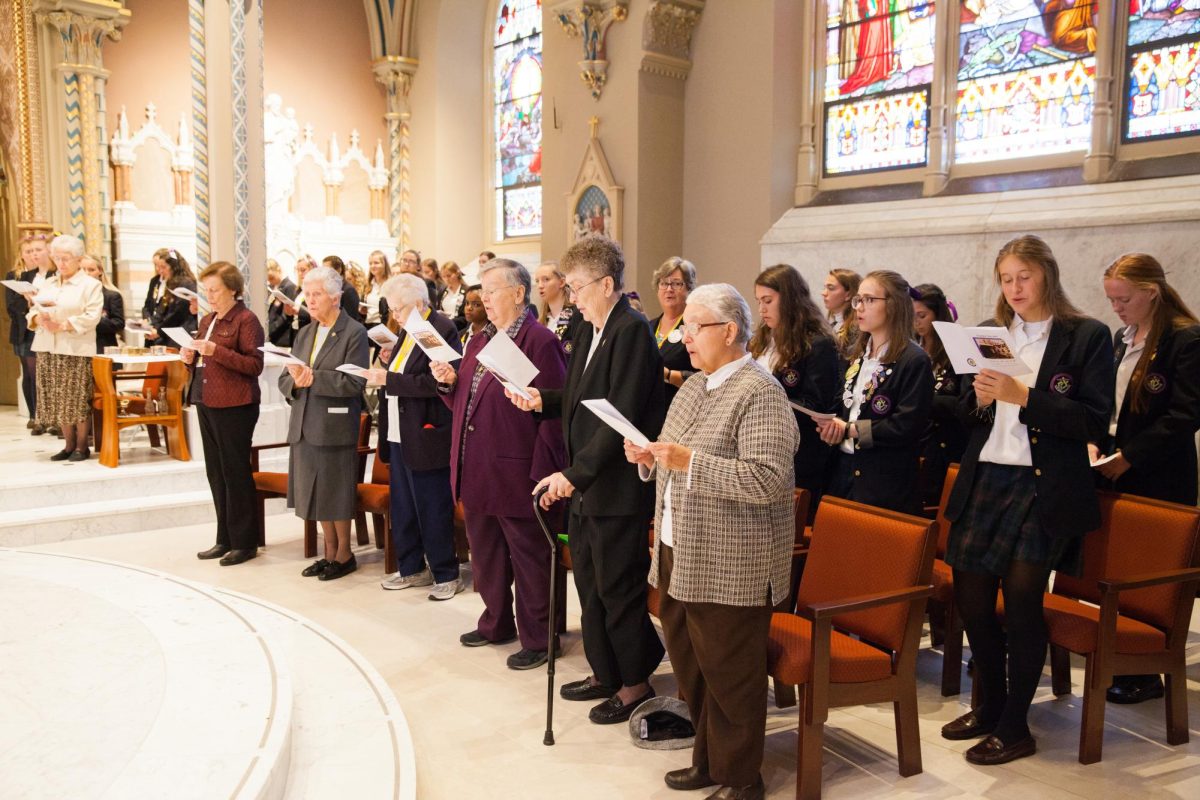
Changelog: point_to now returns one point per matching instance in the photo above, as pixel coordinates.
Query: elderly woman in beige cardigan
(723, 533)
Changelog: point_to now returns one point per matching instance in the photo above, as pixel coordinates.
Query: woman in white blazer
(64, 315)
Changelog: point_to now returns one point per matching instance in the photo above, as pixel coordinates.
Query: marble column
(808, 160)
(941, 101)
(1111, 21)
(396, 74)
(29, 164)
(73, 33)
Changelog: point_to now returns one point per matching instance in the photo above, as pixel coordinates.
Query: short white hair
(405, 289)
(328, 277)
(514, 273)
(70, 244)
(727, 304)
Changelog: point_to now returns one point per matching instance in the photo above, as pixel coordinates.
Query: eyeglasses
(490, 292)
(577, 289)
(671, 284)
(864, 300)
(692, 329)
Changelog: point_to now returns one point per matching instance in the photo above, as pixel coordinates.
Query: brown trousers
(719, 655)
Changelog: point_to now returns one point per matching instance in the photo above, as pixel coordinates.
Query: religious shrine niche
(595, 202)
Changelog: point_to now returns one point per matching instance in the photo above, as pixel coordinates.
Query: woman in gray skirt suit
(323, 430)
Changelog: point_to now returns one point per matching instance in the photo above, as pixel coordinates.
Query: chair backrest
(1137, 536)
(379, 471)
(364, 446)
(801, 501)
(860, 550)
(943, 524)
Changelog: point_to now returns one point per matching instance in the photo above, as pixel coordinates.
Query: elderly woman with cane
(723, 533)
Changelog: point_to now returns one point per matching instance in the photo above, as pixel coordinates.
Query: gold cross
(593, 124)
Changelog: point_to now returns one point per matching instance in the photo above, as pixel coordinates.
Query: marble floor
(476, 727)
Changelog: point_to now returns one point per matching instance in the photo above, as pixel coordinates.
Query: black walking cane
(548, 739)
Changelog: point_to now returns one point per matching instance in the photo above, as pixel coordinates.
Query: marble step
(83, 520)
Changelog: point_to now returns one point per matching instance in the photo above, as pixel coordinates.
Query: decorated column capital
(82, 27)
(396, 74)
(589, 21)
(667, 36)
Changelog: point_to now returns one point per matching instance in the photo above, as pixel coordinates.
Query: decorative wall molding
(667, 29)
(589, 21)
(34, 213)
(123, 150)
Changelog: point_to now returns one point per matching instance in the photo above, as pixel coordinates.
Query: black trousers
(227, 434)
(611, 559)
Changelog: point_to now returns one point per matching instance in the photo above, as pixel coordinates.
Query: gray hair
(71, 244)
(515, 273)
(727, 304)
(328, 277)
(405, 289)
(676, 263)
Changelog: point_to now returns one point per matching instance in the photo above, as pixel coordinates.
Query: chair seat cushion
(789, 654)
(1076, 626)
(943, 582)
(373, 497)
(271, 482)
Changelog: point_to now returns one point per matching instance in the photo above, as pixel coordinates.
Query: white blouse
(869, 365)
(1008, 442)
(1124, 372)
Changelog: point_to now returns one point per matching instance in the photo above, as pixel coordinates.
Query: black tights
(1005, 694)
(29, 383)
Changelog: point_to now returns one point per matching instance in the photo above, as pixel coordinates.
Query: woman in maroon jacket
(226, 363)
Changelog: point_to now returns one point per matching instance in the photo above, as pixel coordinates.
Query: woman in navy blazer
(1157, 410)
(887, 396)
(795, 344)
(497, 455)
(1024, 496)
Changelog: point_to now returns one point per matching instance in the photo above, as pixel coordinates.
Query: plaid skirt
(64, 389)
(998, 526)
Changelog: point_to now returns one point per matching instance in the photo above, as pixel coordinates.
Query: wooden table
(106, 390)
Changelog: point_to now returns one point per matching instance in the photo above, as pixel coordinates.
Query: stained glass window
(879, 64)
(1026, 76)
(1164, 69)
(517, 73)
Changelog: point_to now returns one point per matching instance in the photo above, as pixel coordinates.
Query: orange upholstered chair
(854, 637)
(945, 624)
(375, 498)
(1129, 613)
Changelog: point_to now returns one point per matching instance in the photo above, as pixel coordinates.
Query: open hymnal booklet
(429, 340)
(973, 349)
(508, 364)
(614, 419)
(282, 355)
(184, 293)
(382, 336)
(20, 287)
(181, 337)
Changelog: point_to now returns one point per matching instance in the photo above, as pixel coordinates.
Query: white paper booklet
(973, 349)
(614, 419)
(382, 336)
(280, 296)
(817, 415)
(429, 340)
(20, 287)
(182, 337)
(184, 293)
(1099, 462)
(282, 355)
(508, 364)
(353, 369)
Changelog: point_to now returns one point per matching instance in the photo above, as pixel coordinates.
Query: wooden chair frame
(106, 405)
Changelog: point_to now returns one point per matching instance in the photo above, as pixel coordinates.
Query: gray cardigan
(733, 527)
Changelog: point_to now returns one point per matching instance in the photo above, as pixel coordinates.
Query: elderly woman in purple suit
(498, 453)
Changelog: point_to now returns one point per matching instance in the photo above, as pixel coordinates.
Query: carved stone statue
(279, 139)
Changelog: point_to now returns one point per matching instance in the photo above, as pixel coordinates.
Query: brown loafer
(968, 726)
(755, 791)
(688, 779)
(992, 751)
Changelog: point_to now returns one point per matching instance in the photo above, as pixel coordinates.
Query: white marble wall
(952, 241)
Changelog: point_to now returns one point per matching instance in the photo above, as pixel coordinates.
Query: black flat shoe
(315, 568)
(585, 690)
(238, 556)
(968, 726)
(992, 751)
(79, 455)
(688, 779)
(1129, 689)
(477, 639)
(37, 430)
(612, 710)
(216, 551)
(338, 569)
(62, 455)
(755, 791)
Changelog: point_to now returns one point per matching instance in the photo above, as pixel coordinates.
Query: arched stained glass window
(879, 65)
(517, 75)
(1164, 69)
(1026, 76)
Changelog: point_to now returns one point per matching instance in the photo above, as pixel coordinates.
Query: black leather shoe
(238, 556)
(527, 659)
(62, 455)
(992, 751)
(37, 430)
(612, 710)
(315, 568)
(338, 569)
(755, 791)
(968, 726)
(79, 455)
(685, 780)
(216, 551)
(477, 639)
(585, 690)
(1128, 689)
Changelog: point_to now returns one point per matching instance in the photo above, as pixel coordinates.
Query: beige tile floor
(477, 727)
